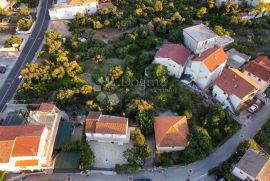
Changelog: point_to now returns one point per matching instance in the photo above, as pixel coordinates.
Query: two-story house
(200, 38)
(259, 71)
(106, 128)
(204, 68)
(174, 57)
(233, 89)
(23, 147)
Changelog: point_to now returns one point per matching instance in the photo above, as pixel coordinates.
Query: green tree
(158, 6)
(24, 24)
(24, 11)
(14, 39)
(202, 11)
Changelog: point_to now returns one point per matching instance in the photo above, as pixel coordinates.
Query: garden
(82, 72)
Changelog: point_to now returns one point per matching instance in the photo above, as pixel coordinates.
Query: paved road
(196, 171)
(27, 54)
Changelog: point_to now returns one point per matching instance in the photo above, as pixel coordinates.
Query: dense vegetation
(13, 40)
(263, 136)
(135, 156)
(87, 157)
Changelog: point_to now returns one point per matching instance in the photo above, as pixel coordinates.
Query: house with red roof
(171, 133)
(174, 57)
(23, 147)
(204, 68)
(233, 89)
(106, 128)
(259, 71)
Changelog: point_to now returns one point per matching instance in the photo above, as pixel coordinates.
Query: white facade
(241, 174)
(198, 46)
(10, 166)
(230, 101)
(69, 11)
(173, 67)
(263, 84)
(170, 149)
(4, 4)
(233, 102)
(201, 74)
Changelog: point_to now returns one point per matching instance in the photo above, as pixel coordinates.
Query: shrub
(2, 175)
(263, 136)
(24, 24)
(4, 12)
(126, 168)
(14, 39)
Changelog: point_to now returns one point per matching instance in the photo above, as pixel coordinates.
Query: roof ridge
(246, 78)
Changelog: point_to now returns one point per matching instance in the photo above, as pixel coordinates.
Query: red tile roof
(171, 131)
(11, 132)
(212, 58)
(5, 150)
(263, 60)
(232, 81)
(26, 146)
(106, 124)
(93, 115)
(260, 68)
(19, 141)
(46, 107)
(264, 174)
(175, 52)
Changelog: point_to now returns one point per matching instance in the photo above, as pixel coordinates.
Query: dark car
(3, 70)
(142, 179)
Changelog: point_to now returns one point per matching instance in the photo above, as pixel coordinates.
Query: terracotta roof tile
(93, 115)
(5, 150)
(259, 70)
(46, 107)
(212, 58)
(19, 141)
(171, 131)
(11, 132)
(176, 52)
(235, 82)
(107, 125)
(264, 174)
(24, 163)
(80, 2)
(26, 146)
(263, 60)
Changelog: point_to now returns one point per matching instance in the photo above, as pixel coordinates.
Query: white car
(253, 108)
(3, 65)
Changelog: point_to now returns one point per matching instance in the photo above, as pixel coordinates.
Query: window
(249, 74)
(259, 80)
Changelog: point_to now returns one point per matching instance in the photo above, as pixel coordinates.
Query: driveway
(108, 154)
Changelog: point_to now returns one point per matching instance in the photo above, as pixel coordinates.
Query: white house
(253, 166)
(174, 57)
(200, 38)
(67, 9)
(207, 66)
(4, 4)
(171, 133)
(259, 71)
(233, 89)
(22, 147)
(106, 128)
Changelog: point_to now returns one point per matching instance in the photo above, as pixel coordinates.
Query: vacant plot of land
(61, 26)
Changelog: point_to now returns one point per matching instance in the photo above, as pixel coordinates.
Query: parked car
(142, 179)
(252, 109)
(3, 65)
(3, 70)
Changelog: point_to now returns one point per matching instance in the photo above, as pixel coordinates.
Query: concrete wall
(170, 149)
(173, 67)
(69, 12)
(241, 174)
